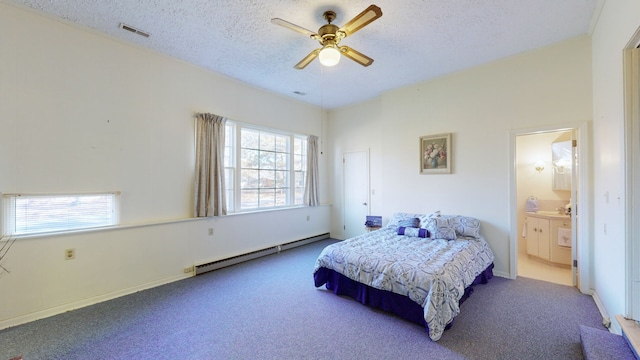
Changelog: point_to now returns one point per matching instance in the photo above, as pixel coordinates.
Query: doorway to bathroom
(545, 191)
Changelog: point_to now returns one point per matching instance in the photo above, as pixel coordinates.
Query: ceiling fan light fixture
(329, 55)
(330, 35)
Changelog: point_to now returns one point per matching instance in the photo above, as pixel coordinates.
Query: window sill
(631, 332)
(155, 223)
(284, 208)
(96, 229)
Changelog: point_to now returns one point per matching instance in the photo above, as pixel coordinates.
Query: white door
(574, 213)
(632, 166)
(355, 170)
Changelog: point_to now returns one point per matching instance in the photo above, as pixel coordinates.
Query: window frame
(9, 223)
(234, 161)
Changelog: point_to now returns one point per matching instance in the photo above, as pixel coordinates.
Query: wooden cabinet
(543, 234)
(538, 237)
(560, 254)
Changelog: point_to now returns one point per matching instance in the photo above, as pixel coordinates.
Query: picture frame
(436, 153)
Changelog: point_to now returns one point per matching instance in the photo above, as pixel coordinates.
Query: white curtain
(210, 199)
(311, 183)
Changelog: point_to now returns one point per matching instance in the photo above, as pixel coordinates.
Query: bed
(419, 267)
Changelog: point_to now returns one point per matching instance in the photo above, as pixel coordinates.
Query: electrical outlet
(210, 231)
(308, 217)
(70, 254)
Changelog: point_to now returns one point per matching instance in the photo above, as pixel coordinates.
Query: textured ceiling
(414, 40)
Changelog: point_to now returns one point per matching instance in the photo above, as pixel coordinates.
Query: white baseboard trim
(23, 319)
(501, 274)
(613, 326)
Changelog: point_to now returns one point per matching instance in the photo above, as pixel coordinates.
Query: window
(299, 168)
(264, 168)
(32, 214)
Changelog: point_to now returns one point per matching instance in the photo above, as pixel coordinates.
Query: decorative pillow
(467, 226)
(413, 232)
(397, 217)
(463, 225)
(414, 222)
(424, 219)
(441, 228)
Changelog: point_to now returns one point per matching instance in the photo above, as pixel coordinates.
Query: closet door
(356, 192)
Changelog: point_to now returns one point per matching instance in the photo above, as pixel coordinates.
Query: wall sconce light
(539, 166)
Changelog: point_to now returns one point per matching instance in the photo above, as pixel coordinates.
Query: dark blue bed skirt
(382, 299)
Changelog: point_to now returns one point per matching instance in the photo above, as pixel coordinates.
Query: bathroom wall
(531, 149)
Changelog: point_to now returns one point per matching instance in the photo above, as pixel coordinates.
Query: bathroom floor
(536, 270)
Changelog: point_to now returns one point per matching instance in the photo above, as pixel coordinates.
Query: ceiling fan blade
(361, 20)
(294, 27)
(307, 59)
(356, 56)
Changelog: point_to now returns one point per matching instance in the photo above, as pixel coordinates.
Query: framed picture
(435, 154)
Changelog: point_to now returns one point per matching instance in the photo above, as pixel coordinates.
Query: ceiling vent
(134, 30)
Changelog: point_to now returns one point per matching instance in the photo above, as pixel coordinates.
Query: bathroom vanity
(548, 237)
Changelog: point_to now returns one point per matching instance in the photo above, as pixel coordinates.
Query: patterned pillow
(467, 226)
(464, 226)
(423, 220)
(441, 228)
(397, 217)
(413, 232)
(414, 222)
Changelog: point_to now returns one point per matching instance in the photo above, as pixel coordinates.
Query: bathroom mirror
(561, 161)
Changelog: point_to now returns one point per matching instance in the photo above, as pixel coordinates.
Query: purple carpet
(600, 344)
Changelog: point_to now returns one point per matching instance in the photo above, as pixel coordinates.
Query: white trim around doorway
(582, 205)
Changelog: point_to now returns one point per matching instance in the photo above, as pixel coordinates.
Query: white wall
(616, 26)
(360, 133)
(480, 106)
(82, 112)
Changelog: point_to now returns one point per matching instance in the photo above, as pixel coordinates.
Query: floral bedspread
(432, 272)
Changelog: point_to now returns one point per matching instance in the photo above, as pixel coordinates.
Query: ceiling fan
(329, 36)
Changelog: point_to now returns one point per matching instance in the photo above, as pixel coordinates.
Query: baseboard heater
(218, 264)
